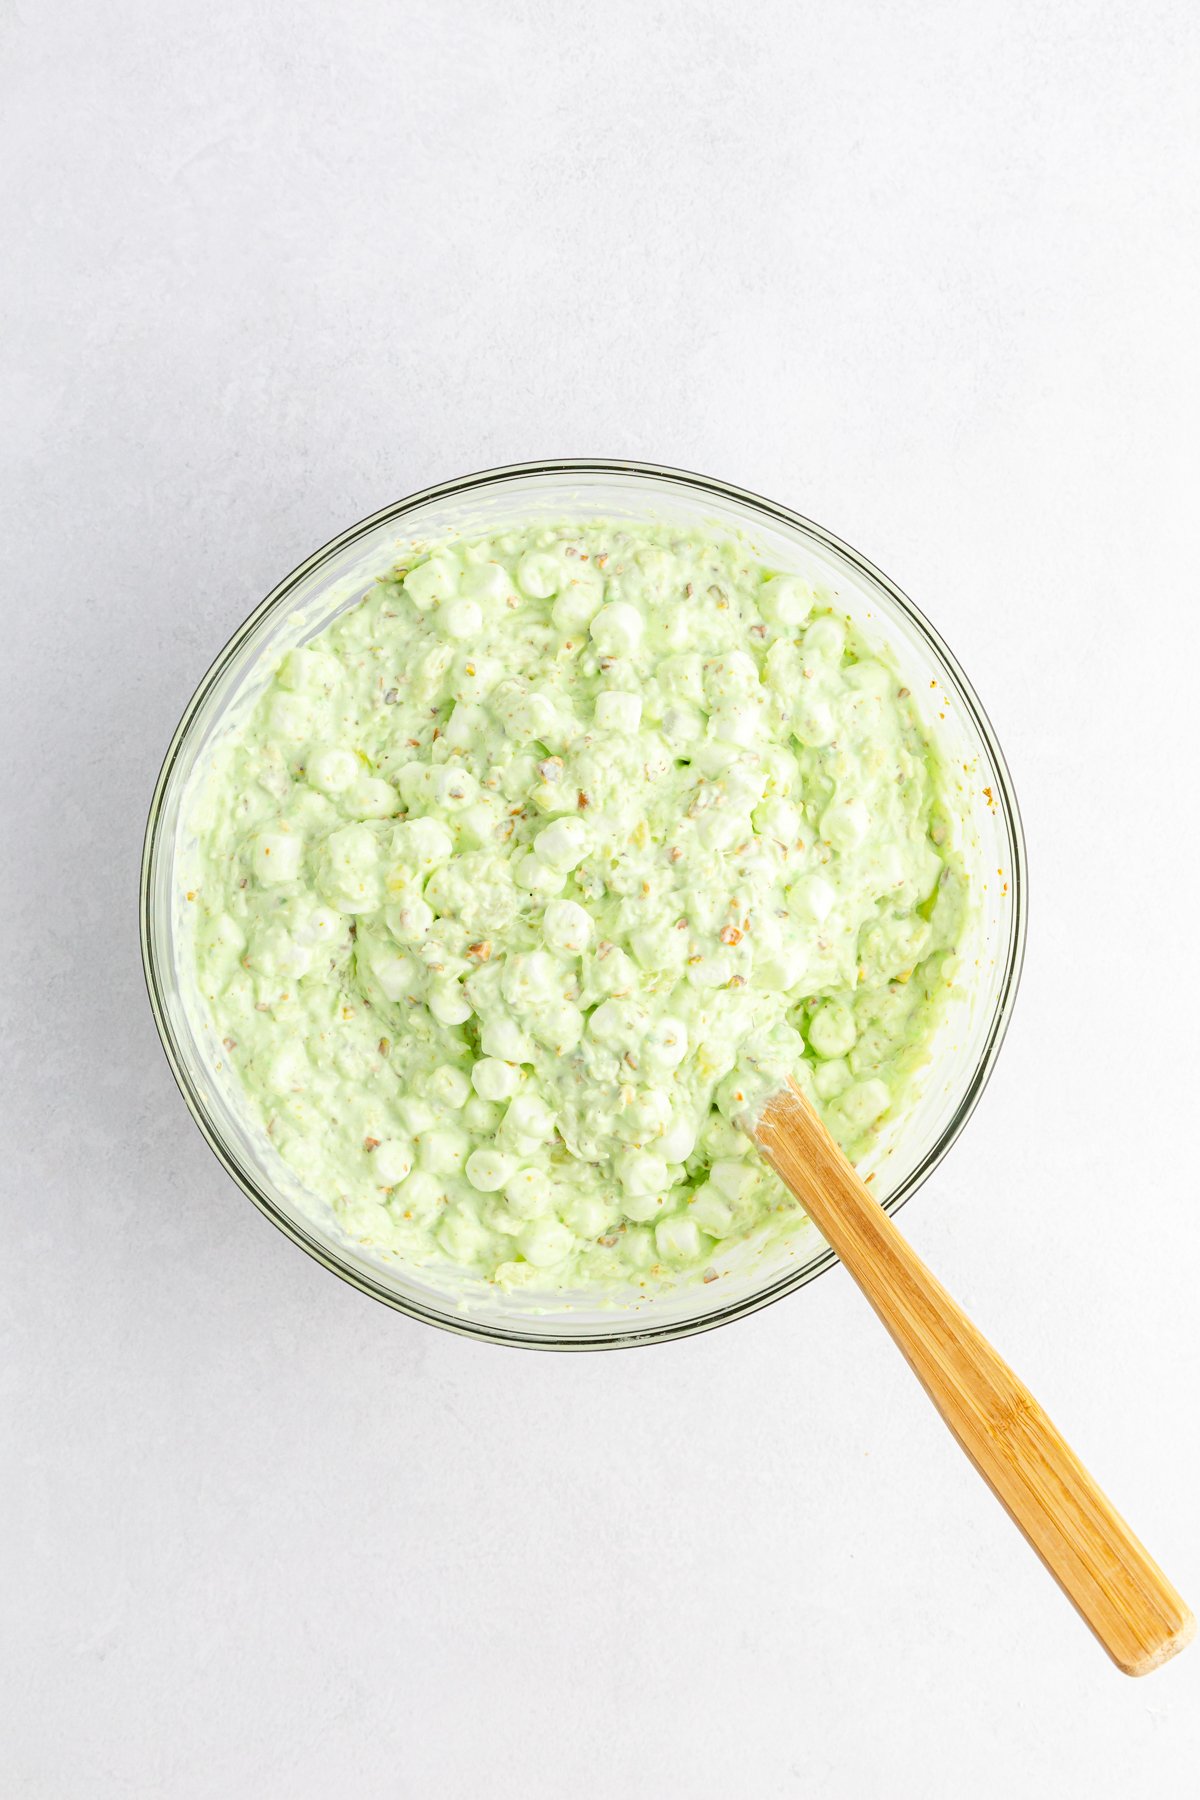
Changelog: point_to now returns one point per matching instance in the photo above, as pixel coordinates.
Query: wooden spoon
(1086, 1545)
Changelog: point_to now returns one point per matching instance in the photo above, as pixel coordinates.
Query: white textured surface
(927, 272)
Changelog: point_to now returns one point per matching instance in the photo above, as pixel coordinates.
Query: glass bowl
(334, 579)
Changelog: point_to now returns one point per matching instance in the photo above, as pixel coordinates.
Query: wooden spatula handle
(1086, 1545)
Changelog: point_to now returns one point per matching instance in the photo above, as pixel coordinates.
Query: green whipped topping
(540, 863)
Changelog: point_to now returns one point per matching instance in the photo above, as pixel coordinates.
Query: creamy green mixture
(538, 859)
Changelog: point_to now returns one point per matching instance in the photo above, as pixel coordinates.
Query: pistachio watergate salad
(533, 864)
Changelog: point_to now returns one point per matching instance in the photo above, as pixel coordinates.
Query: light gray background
(928, 273)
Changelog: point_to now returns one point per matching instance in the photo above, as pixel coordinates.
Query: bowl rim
(643, 1332)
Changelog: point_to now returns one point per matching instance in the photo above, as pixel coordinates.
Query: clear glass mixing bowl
(335, 578)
